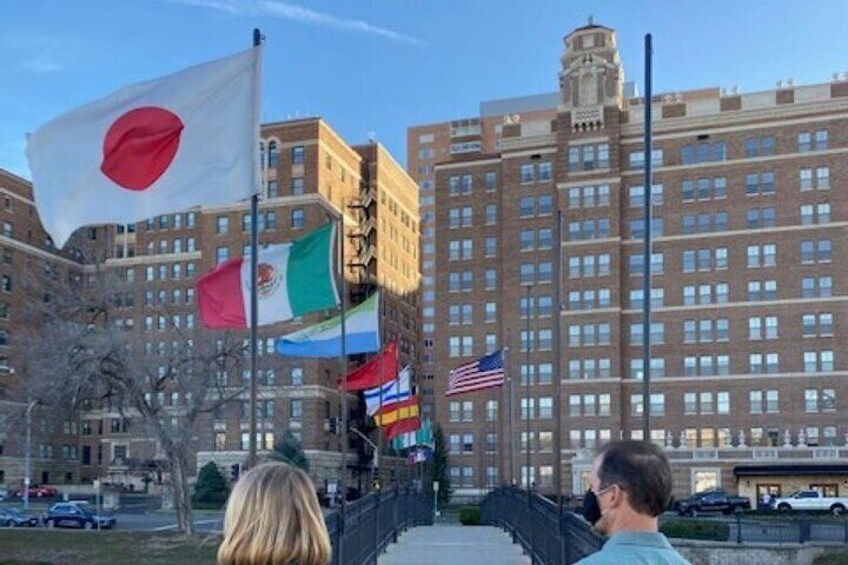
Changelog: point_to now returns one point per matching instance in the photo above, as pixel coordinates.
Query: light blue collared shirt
(636, 548)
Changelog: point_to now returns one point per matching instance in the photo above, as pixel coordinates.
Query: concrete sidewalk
(449, 544)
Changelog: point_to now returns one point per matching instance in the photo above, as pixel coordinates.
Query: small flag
(168, 144)
(390, 393)
(293, 279)
(418, 455)
(401, 427)
(362, 326)
(423, 437)
(397, 412)
(369, 375)
(485, 372)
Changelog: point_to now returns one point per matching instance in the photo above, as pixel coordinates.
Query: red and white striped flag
(486, 372)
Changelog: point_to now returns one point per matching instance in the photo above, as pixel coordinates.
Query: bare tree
(81, 352)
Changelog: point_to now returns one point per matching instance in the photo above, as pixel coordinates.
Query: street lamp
(27, 452)
(376, 461)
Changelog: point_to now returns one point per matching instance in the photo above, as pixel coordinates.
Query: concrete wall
(717, 553)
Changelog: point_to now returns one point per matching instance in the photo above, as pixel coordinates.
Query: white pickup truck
(810, 500)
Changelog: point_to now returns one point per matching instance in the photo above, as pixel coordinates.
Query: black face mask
(591, 508)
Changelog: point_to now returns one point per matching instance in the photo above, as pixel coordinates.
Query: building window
(544, 171)
(527, 173)
(815, 214)
(804, 144)
(637, 159)
(816, 287)
(491, 181)
(816, 251)
(818, 361)
(762, 255)
(759, 146)
(297, 218)
(297, 155)
(491, 214)
(703, 153)
(821, 140)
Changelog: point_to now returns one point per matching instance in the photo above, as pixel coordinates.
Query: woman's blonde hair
(273, 518)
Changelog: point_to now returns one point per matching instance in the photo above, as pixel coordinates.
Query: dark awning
(788, 470)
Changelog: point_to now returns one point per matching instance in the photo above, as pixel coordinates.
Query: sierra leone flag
(362, 329)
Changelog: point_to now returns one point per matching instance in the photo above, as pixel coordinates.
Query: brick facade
(749, 199)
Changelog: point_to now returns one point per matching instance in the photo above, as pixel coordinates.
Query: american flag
(486, 372)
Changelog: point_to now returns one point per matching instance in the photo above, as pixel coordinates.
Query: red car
(39, 491)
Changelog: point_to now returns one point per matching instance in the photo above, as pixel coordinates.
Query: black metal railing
(534, 522)
(374, 521)
(744, 528)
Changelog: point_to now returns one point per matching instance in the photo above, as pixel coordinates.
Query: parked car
(712, 501)
(39, 491)
(75, 515)
(14, 518)
(810, 500)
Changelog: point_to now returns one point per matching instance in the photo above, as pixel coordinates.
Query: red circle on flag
(140, 146)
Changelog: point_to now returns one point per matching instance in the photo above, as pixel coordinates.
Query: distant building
(749, 306)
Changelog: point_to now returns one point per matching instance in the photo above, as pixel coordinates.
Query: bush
(288, 450)
(211, 487)
(696, 529)
(469, 516)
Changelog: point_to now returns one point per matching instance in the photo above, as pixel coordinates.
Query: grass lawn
(42, 547)
(840, 558)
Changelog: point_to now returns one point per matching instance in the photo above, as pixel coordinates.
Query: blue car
(14, 518)
(71, 515)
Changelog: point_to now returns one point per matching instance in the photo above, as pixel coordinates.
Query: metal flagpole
(379, 410)
(526, 345)
(510, 412)
(527, 415)
(375, 478)
(646, 283)
(254, 306)
(343, 363)
(558, 375)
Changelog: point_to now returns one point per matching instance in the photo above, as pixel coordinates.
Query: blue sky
(382, 65)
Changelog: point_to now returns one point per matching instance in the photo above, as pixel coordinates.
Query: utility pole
(27, 454)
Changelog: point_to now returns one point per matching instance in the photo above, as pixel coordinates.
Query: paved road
(449, 544)
(206, 521)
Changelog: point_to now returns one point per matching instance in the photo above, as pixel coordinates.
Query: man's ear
(617, 497)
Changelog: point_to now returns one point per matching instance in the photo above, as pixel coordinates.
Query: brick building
(26, 250)
(748, 305)
(312, 176)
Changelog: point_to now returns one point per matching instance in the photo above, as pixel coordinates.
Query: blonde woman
(273, 518)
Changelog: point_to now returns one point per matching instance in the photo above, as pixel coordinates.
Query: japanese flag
(168, 144)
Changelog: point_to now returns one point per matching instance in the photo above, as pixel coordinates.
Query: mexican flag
(293, 279)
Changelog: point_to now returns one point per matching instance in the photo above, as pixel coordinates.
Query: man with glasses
(629, 487)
